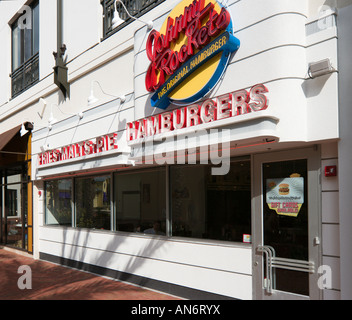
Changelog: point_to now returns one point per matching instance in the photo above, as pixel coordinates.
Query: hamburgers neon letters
(238, 103)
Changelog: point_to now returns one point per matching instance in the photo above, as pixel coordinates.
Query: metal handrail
(269, 253)
(19, 75)
(291, 264)
(281, 263)
(24, 65)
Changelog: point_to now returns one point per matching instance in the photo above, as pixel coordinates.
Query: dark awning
(7, 136)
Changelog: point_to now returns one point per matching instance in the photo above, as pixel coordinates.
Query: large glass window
(35, 28)
(16, 47)
(58, 202)
(141, 201)
(211, 207)
(93, 203)
(202, 205)
(25, 49)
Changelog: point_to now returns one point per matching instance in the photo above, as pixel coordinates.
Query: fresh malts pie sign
(190, 52)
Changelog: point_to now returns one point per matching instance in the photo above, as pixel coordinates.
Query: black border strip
(165, 287)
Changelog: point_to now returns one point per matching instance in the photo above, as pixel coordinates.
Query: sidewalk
(53, 282)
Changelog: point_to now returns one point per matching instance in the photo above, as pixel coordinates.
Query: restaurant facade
(197, 148)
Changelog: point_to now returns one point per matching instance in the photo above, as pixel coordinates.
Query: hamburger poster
(285, 196)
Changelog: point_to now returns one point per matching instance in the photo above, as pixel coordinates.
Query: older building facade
(196, 147)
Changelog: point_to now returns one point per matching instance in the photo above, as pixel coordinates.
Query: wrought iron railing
(25, 76)
(136, 8)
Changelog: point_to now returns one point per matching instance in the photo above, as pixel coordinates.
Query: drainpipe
(60, 69)
(59, 23)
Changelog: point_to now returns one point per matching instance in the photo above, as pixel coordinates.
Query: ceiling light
(23, 131)
(45, 148)
(52, 120)
(122, 98)
(42, 101)
(117, 20)
(80, 115)
(320, 68)
(92, 99)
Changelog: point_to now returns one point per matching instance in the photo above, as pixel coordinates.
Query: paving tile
(54, 282)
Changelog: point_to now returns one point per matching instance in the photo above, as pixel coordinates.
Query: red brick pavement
(53, 282)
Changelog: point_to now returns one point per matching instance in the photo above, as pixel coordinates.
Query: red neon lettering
(223, 106)
(98, 145)
(166, 122)
(81, 148)
(174, 62)
(207, 112)
(130, 132)
(234, 104)
(89, 147)
(153, 125)
(193, 118)
(183, 54)
(191, 33)
(112, 142)
(179, 117)
(141, 130)
(203, 36)
(164, 62)
(211, 24)
(224, 19)
(240, 101)
(257, 94)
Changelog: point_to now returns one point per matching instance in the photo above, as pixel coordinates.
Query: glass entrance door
(14, 207)
(286, 243)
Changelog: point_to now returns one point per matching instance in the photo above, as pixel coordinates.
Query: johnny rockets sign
(190, 52)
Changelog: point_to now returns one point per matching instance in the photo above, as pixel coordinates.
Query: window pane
(27, 44)
(287, 234)
(229, 204)
(35, 26)
(14, 175)
(188, 201)
(14, 216)
(13, 200)
(211, 207)
(16, 47)
(58, 204)
(93, 208)
(141, 201)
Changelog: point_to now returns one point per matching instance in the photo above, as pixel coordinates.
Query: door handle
(281, 263)
(316, 241)
(269, 254)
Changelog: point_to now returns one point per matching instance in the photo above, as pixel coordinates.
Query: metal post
(60, 69)
(59, 25)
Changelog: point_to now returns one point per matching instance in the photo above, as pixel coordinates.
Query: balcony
(25, 76)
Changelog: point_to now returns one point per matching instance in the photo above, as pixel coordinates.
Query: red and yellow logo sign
(189, 53)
